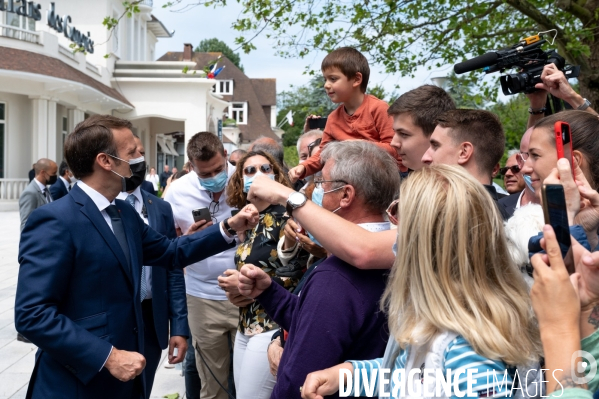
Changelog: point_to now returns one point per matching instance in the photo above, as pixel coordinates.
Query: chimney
(187, 52)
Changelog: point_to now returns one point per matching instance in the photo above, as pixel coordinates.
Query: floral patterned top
(260, 249)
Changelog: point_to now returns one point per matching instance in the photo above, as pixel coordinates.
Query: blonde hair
(453, 270)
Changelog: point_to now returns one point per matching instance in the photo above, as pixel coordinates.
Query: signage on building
(30, 9)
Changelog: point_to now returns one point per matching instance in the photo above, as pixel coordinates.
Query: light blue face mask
(394, 248)
(247, 181)
(528, 182)
(215, 184)
(317, 196)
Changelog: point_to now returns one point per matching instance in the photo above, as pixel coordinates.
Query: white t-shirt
(186, 194)
(154, 179)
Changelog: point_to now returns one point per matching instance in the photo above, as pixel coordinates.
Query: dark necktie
(119, 231)
(143, 288)
(47, 195)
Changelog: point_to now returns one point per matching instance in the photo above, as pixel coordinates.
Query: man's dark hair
(90, 138)
(482, 129)
(203, 146)
(425, 104)
(64, 166)
(349, 61)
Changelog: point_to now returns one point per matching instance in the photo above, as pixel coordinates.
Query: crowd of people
(389, 247)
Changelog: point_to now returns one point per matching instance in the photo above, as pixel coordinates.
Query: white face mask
(72, 179)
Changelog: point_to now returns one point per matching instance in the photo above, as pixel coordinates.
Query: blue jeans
(193, 384)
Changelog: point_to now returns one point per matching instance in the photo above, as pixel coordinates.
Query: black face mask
(138, 170)
(53, 180)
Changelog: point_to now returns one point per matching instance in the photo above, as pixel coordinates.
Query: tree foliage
(215, 45)
(408, 35)
(302, 101)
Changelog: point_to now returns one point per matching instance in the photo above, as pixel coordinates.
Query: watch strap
(228, 228)
(584, 105)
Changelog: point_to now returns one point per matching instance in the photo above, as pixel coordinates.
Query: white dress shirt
(43, 188)
(66, 183)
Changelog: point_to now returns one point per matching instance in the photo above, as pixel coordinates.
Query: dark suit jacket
(509, 203)
(169, 302)
(58, 189)
(77, 296)
(149, 187)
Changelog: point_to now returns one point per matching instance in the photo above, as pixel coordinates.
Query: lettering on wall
(31, 9)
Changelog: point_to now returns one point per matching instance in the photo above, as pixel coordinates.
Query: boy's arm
(312, 164)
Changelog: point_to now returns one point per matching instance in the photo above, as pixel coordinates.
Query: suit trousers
(212, 324)
(152, 351)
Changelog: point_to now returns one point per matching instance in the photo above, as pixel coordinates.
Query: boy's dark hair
(203, 146)
(425, 104)
(90, 138)
(482, 129)
(349, 61)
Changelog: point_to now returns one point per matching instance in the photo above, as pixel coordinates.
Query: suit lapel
(151, 210)
(90, 210)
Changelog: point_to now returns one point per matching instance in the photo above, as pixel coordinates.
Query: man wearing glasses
(512, 178)
(212, 318)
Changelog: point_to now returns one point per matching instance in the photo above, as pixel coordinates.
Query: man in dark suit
(148, 187)
(165, 289)
(62, 186)
(36, 193)
(79, 289)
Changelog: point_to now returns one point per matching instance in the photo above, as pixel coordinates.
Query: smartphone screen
(201, 214)
(556, 214)
(317, 123)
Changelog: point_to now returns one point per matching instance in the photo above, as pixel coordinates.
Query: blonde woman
(454, 300)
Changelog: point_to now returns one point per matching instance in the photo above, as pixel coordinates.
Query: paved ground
(17, 358)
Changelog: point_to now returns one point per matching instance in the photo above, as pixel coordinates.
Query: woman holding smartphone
(250, 362)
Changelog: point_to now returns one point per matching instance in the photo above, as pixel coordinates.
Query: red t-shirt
(369, 122)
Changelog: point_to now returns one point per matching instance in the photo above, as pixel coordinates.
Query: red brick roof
(26, 61)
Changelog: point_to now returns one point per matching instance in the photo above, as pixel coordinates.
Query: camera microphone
(475, 63)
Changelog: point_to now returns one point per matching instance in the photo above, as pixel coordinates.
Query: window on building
(239, 112)
(2, 130)
(223, 87)
(65, 131)
(20, 21)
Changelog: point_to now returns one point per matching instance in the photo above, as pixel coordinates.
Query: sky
(201, 22)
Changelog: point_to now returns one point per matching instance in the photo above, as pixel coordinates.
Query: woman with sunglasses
(250, 362)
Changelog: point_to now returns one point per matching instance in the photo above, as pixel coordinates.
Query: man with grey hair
(358, 182)
(305, 140)
(512, 176)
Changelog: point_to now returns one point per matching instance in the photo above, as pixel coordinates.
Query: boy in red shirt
(360, 117)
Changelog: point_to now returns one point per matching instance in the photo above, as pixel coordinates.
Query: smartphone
(201, 214)
(234, 212)
(563, 136)
(317, 123)
(556, 214)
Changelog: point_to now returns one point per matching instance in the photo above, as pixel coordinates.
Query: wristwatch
(294, 201)
(584, 105)
(228, 228)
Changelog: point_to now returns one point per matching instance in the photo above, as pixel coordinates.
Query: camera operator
(556, 84)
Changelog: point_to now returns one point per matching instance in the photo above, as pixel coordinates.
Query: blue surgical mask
(528, 182)
(247, 180)
(394, 248)
(215, 184)
(314, 240)
(318, 195)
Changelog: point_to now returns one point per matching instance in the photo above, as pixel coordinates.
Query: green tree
(513, 115)
(302, 101)
(215, 45)
(406, 36)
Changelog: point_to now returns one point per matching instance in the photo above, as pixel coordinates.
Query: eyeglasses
(213, 209)
(312, 145)
(523, 156)
(392, 212)
(318, 182)
(514, 169)
(251, 170)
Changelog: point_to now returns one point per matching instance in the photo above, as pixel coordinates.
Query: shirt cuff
(109, 353)
(228, 239)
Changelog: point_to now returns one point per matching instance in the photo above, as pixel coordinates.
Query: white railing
(19, 34)
(11, 189)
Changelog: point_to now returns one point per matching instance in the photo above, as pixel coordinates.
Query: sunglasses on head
(312, 145)
(251, 170)
(515, 169)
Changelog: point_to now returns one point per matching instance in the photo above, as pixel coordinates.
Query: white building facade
(46, 88)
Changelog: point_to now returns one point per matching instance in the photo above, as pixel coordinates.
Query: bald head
(269, 146)
(45, 164)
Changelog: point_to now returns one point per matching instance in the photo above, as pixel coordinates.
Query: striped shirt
(459, 357)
